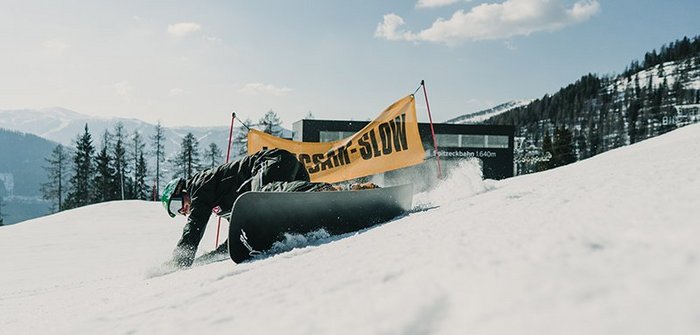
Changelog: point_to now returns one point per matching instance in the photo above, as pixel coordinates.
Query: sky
(594, 247)
(194, 62)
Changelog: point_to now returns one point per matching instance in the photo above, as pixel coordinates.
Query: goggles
(175, 206)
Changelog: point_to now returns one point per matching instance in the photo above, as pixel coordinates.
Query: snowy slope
(687, 71)
(481, 116)
(609, 245)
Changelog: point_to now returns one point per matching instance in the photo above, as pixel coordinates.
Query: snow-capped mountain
(44, 122)
(482, 115)
(63, 126)
(603, 112)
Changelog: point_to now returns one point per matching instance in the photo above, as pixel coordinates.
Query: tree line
(117, 167)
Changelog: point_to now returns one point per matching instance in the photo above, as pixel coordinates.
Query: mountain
(480, 116)
(63, 126)
(603, 246)
(26, 147)
(649, 98)
(21, 175)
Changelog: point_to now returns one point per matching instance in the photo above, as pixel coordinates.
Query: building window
(330, 136)
(472, 141)
(496, 141)
(448, 140)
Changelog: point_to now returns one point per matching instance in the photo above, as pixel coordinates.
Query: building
(491, 145)
(685, 115)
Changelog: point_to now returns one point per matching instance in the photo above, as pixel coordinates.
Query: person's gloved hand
(363, 186)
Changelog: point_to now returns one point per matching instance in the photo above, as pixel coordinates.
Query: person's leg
(214, 255)
(280, 166)
(297, 186)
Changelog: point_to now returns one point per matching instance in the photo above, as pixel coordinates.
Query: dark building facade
(491, 145)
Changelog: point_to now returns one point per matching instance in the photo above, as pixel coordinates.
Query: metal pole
(228, 155)
(432, 130)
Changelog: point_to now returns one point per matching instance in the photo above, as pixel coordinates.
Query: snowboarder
(274, 170)
(267, 170)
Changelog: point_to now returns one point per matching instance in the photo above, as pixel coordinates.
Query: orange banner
(389, 142)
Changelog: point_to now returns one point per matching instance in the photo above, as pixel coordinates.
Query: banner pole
(432, 129)
(228, 155)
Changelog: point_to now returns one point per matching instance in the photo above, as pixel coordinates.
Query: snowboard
(259, 219)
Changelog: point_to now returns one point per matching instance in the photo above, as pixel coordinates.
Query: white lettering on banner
(467, 154)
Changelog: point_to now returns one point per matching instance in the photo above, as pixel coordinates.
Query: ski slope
(609, 245)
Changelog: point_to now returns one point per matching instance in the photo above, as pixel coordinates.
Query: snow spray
(462, 181)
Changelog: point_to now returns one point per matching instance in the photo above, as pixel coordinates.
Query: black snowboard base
(259, 219)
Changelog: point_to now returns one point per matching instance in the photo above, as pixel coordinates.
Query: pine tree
(186, 163)
(546, 147)
(633, 116)
(80, 192)
(240, 139)
(562, 148)
(57, 170)
(593, 141)
(158, 149)
(104, 182)
(140, 188)
(581, 146)
(678, 91)
(119, 160)
(142, 191)
(271, 123)
(213, 155)
(666, 111)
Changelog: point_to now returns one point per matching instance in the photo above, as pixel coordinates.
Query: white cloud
(434, 3)
(583, 10)
(123, 89)
(494, 21)
(267, 89)
(55, 47)
(183, 29)
(388, 29)
(175, 91)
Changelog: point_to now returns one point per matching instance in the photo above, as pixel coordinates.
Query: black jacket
(221, 186)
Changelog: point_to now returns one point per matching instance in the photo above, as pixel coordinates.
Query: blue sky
(193, 62)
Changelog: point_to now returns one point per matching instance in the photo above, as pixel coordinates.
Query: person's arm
(202, 195)
(191, 236)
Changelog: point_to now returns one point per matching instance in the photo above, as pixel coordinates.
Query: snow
(609, 245)
(669, 71)
(481, 116)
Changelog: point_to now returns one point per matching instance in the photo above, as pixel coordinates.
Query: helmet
(172, 196)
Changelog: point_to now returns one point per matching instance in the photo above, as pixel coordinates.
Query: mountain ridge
(63, 125)
(484, 114)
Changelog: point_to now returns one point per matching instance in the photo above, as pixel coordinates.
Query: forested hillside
(21, 175)
(598, 113)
